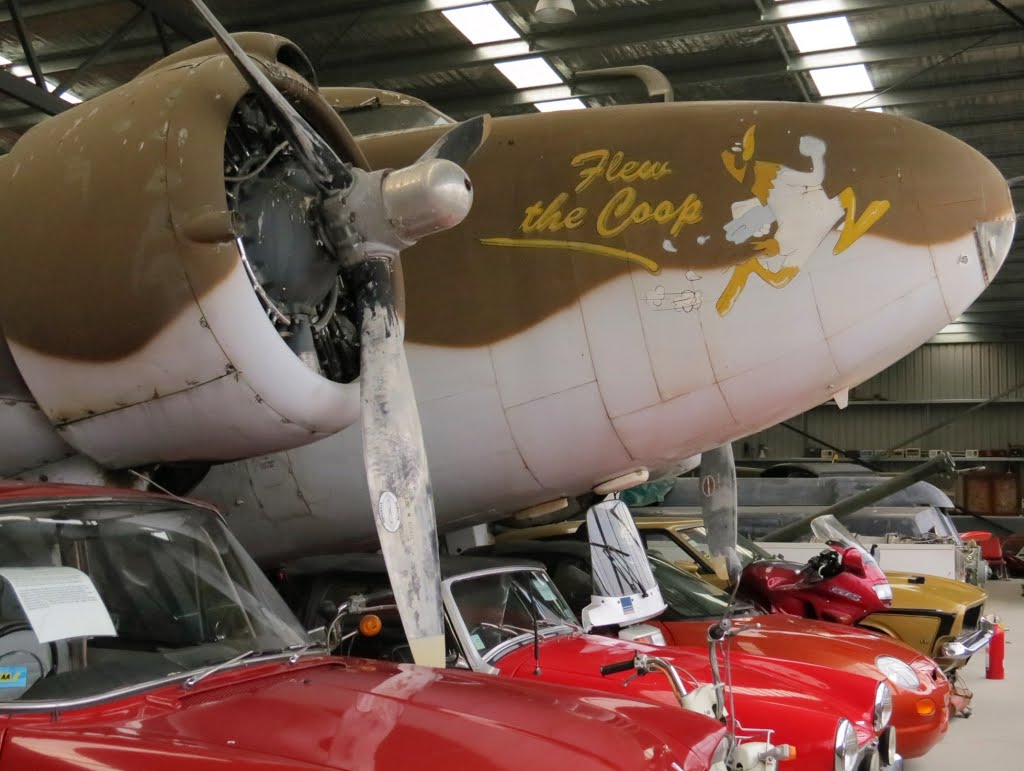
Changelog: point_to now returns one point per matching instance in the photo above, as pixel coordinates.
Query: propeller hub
(426, 198)
(385, 211)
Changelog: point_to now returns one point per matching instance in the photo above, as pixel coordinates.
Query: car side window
(664, 547)
(573, 579)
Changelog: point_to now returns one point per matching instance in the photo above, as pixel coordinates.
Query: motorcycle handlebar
(622, 666)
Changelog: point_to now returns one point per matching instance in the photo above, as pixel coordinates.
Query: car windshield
(100, 595)
(497, 609)
(747, 550)
(917, 524)
(688, 597)
(828, 529)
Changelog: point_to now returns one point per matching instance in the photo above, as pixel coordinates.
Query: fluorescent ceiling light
(852, 79)
(822, 34)
(528, 73)
(481, 24)
(560, 104)
(22, 71)
(4, 62)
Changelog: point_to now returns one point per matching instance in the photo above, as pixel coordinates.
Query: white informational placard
(61, 603)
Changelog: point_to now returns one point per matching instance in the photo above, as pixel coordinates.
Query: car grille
(972, 617)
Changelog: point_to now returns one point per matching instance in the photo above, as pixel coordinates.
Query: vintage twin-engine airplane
(197, 286)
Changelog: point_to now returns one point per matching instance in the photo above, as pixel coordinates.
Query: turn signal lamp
(925, 707)
(784, 752)
(370, 625)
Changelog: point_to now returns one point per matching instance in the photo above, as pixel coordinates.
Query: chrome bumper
(968, 644)
(872, 756)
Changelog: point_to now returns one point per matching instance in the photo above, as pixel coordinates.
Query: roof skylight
(528, 73)
(481, 24)
(822, 34)
(560, 104)
(851, 79)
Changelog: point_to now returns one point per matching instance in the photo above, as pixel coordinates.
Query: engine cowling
(130, 308)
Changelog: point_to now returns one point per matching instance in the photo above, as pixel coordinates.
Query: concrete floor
(993, 736)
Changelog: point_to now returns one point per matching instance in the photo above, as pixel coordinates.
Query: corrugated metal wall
(974, 371)
(961, 371)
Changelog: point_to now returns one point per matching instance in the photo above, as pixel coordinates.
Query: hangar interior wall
(933, 384)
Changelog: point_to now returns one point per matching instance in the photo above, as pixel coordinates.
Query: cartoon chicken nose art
(796, 205)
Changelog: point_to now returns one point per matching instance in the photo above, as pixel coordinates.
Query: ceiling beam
(891, 51)
(26, 43)
(704, 71)
(29, 93)
(48, 7)
(668, 20)
(182, 22)
(931, 94)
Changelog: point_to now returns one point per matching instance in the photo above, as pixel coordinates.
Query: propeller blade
(462, 142)
(316, 156)
(718, 505)
(396, 466)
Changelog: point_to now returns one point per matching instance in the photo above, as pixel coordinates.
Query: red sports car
(921, 692)
(137, 635)
(508, 618)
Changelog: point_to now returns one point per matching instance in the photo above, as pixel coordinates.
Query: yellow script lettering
(614, 168)
(549, 219)
(623, 211)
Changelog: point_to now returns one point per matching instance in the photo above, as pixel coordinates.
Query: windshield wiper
(190, 683)
(303, 649)
(625, 573)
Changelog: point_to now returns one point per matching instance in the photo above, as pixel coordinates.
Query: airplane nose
(966, 211)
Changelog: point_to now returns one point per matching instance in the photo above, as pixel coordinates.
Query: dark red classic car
(137, 635)
(506, 617)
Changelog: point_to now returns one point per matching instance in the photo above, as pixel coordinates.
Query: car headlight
(720, 758)
(897, 671)
(883, 592)
(846, 746)
(883, 706)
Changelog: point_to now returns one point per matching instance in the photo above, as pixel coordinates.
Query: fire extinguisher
(995, 654)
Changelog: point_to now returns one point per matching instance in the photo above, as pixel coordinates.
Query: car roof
(13, 491)
(574, 548)
(645, 518)
(373, 565)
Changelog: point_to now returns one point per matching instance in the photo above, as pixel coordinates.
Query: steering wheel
(490, 634)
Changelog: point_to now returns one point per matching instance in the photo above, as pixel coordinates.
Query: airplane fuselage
(633, 285)
(573, 330)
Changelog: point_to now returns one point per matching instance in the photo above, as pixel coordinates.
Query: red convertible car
(137, 635)
(508, 618)
(921, 692)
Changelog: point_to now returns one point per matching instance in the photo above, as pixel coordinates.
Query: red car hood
(374, 715)
(792, 639)
(803, 707)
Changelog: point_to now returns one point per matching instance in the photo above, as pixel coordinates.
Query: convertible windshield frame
(485, 663)
(197, 574)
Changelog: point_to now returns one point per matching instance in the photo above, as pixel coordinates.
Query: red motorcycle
(842, 584)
